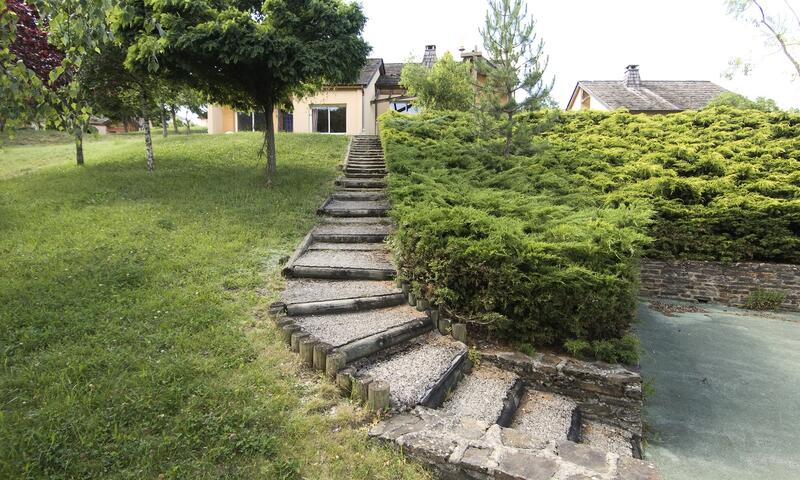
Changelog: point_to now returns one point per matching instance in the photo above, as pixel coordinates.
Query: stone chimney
(632, 78)
(429, 58)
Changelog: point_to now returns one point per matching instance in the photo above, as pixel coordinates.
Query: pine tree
(516, 64)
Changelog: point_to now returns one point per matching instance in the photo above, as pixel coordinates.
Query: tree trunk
(125, 124)
(172, 110)
(148, 140)
(509, 134)
(164, 127)
(2, 124)
(188, 126)
(269, 144)
(79, 146)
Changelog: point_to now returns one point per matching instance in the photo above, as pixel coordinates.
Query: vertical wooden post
(378, 396)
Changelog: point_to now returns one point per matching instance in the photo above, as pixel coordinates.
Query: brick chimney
(429, 58)
(632, 78)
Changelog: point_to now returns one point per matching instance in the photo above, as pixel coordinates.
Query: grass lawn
(133, 338)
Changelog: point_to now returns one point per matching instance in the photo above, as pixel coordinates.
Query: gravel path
(544, 415)
(375, 259)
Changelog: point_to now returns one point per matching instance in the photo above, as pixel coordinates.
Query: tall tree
(445, 86)
(780, 27)
(515, 67)
(246, 54)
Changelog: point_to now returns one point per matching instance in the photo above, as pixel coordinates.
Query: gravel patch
(544, 415)
(355, 204)
(341, 328)
(670, 309)
(607, 438)
(379, 260)
(480, 395)
(308, 290)
(385, 221)
(349, 246)
(413, 371)
(354, 229)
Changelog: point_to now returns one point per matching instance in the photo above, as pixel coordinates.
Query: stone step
(354, 208)
(360, 333)
(351, 233)
(342, 264)
(360, 183)
(366, 175)
(358, 195)
(486, 394)
(356, 220)
(419, 372)
(547, 416)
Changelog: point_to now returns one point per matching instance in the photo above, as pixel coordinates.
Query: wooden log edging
(345, 305)
(436, 395)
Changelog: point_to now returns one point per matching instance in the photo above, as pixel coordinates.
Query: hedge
(543, 246)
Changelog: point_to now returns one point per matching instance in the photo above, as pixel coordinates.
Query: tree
(246, 54)
(445, 86)
(77, 28)
(740, 101)
(516, 65)
(781, 29)
(26, 62)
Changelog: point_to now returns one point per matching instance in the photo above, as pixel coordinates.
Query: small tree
(516, 64)
(246, 54)
(740, 101)
(445, 86)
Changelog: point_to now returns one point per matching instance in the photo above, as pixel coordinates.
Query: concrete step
(369, 264)
(354, 208)
(420, 372)
(351, 233)
(486, 394)
(360, 183)
(547, 416)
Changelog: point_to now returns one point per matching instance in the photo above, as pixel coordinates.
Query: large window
(251, 122)
(329, 119)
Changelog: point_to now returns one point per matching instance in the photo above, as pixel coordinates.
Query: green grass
(133, 337)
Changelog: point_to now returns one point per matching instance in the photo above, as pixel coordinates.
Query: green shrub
(623, 350)
(762, 299)
(544, 244)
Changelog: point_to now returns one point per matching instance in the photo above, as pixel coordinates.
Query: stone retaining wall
(729, 284)
(606, 393)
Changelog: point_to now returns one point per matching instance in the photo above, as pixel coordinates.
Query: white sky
(596, 39)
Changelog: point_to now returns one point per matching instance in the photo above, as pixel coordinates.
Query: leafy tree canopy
(740, 101)
(243, 53)
(445, 86)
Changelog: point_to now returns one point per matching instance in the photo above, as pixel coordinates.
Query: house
(638, 96)
(340, 109)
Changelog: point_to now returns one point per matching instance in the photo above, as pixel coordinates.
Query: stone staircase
(344, 315)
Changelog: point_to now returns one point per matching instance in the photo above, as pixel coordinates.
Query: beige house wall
(221, 119)
(576, 101)
(349, 97)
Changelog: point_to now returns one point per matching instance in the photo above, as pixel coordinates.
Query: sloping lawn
(133, 339)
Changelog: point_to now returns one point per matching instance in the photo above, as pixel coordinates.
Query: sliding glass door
(329, 119)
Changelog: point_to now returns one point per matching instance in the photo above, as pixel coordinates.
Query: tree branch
(777, 36)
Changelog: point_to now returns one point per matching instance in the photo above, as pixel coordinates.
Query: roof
(391, 76)
(654, 95)
(372, 66)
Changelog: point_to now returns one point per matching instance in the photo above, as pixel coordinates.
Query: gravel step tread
(544, 415)
(304, 290)
(353, 229)
(356, 247)
(356, 221)
(480, 394)
(412, 369)
(606, 437)
(346, 259)
(357, 205)
(339, 329)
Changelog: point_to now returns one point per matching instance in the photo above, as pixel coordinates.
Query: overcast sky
(596, 39)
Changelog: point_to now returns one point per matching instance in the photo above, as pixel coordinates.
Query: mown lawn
(133, 337)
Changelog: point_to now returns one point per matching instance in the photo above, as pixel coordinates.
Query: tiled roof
(391, 75)
(654, 95)
(372, 66)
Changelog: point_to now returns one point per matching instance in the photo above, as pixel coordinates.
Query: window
(329, 119)
(285, 121)
(244, 121)
(586, 100)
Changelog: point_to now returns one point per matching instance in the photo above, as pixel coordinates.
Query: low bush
(761, 299)
(542, 247)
